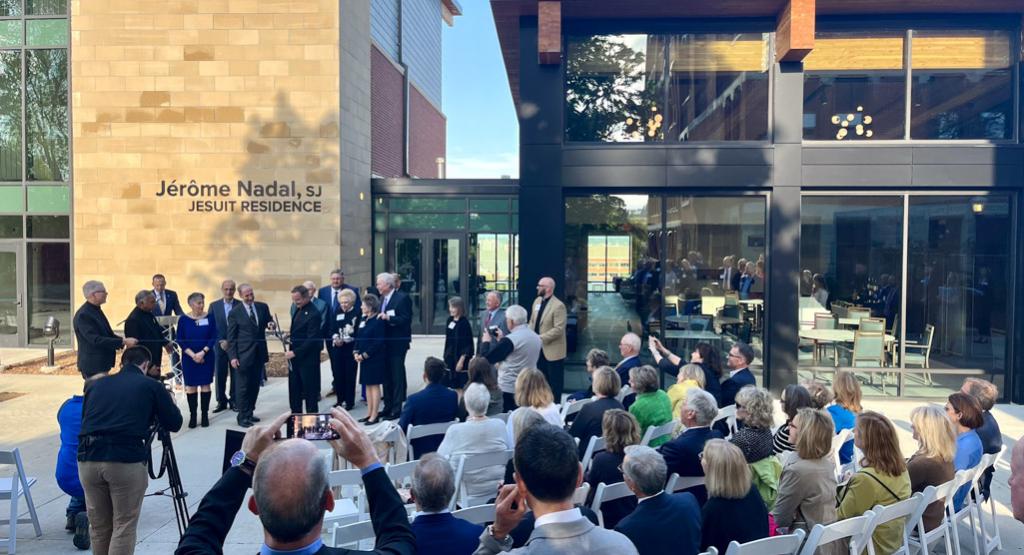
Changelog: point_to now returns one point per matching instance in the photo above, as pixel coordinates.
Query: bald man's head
(545, 287)
(290, 490)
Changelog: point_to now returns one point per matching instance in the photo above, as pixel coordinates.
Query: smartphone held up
(313, 427)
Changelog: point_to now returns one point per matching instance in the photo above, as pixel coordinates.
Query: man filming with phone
(117, 413)
(291, 494)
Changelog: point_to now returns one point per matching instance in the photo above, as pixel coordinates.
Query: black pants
(508, 401)
(394, 387)
(248, 388)
(343, 373)
(222, 370)
(304, 384)
(553, 371)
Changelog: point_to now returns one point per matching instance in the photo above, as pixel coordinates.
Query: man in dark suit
(290, 478)
(304, 353)
(396, 311)
(97, 343)
(247, 347)
(491, 316)
(166, 300)
(730, 278)
(142, 325)
(657, 510)
(629, 348)
(219, 310)
(329, 293)
(682, 454)
(436, 403)
(740, 376)
(437, 531)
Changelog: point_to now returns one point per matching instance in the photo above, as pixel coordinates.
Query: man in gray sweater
(548, 472)
(512, 353)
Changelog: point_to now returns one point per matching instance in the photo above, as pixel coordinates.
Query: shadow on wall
(295, 237)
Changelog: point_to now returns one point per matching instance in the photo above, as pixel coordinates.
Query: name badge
(362, 324)
(339, 317)
(203, 322)
(391, 313)
(451, 325)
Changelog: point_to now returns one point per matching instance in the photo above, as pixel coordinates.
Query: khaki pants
(113, 500)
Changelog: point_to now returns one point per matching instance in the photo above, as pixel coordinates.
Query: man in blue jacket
(436, 403)
(69, 417)
(682, 454)
(663, 522)
(436, 530)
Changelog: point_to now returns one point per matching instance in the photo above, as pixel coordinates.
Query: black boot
(192, 401)
(204, 405)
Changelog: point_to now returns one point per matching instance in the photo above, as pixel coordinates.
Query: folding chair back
(776, 545)
(727, 413)
(655, 432)
(852, 529)
(838, 441)
(480, 514)
(909, 510)
(472, 462)
(989, 530)
(501, 416)
(401, 474)
(595, 446)
(13, 488)
(573, 407)
(677, 483)
(608, 492)
(351, 534)
(425, 430)
(579, 497)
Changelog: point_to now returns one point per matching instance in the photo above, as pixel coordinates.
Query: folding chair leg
(12, 536)
(32, 509)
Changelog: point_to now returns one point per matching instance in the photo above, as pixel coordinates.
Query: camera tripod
(169, 465)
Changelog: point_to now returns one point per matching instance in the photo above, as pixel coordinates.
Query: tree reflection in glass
(46, 86)
(10, 115)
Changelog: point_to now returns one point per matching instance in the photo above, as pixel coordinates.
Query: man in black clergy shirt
(117, 413)
(291, 494)
(247, 347)
(304, 353)
(396, 311)
(142, 324)
(97, 343)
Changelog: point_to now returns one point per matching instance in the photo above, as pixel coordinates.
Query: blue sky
(483, 134)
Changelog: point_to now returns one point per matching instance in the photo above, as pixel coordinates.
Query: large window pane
(49, 199)
(427, 221)
(959, 280)
(851, 255)
(46, 7)
(606, 295)
(718, 89)
(46, 85)
(46, 32)
(10, 227)
(10, 32)
(963, 85)
(10, 115)
(49, 290)
(415, 204)
(12, 198)
(614, 88)
(493, 266)
(854, 87)
(10, 7)
(49, 227)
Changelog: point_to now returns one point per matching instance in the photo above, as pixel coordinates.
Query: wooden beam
(794, 31)
(549, 32)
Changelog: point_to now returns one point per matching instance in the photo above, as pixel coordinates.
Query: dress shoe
(388, 417)
(349, 406)
(219, 408)
(81, 538)
(374, 422)
(244, 423)
(253, 418)
(364, 419)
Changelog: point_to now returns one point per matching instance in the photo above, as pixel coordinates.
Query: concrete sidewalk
(29, 423)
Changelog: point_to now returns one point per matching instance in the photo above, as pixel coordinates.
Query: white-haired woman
(478, 434)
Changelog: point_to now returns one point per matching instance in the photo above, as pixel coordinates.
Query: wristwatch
(505, 544)
(243, 463)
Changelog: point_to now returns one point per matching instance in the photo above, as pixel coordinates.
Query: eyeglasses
(735, 355)
(739, 406)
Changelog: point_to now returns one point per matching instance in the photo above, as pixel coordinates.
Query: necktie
(162, 304)
(334, 300)
(252, 315)
(385, 307)
(487, 323)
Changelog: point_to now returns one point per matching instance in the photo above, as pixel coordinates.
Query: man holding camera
(291, 494)
(117, 414)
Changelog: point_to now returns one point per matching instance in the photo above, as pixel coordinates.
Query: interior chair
(918, 353)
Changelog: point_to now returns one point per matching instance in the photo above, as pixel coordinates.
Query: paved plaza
(29, 423)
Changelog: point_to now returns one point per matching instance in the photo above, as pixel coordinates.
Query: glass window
(48, 227)
(428, 205)
(12, 199)
(427, 221)
(488, 205)
(10, 7)
(958, 309)
(46, 7)
(851, 255)
(962, 86)
(718, 87)
(493, 266)
(855, 87)
(488, 222)
(10, 32)
(608, 258)
(10, 227)
(49, 199)
(49, 290)
(46, 32)
(46, 85)
(614, 88)
(10, 115)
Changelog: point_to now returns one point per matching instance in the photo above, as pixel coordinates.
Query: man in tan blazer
(547, 319)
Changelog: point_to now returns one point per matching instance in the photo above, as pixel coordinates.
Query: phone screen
(310, 426)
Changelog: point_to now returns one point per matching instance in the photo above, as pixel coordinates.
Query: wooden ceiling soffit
(549, 32)
(794, 32)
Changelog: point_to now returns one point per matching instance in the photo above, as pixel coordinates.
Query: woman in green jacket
(882, 480)
(652, 406)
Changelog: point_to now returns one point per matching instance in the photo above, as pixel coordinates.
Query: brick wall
(217, 91)
(426, 136)
(386, 116)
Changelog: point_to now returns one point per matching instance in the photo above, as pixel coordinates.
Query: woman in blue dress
(369, 352)
(197, 334)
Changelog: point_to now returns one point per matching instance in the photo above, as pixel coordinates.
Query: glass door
(406, 257)
(11, 314)
(446, 270)
(431, 271)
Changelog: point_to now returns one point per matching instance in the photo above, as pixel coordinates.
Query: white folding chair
(425, 430)
(969, 510)
(851, 529)
(352, 501)
(677, 483)
(502, 416)
(608, 492)
(922, 541)
(579, 497)
(623, 393)
(472, 462)
(595, 446)
(351, 534)
(655, 432)
(12, 488)
(838, 441)
(712, 550)
(401, 476)
(480, 514)
(910, 510)
(728, 414)
(572, 407)
(775, 545)
(989, 533)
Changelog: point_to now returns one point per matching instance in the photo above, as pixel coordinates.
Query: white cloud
(470, 167)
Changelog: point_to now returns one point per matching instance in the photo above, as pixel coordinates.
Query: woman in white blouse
(478, 434)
